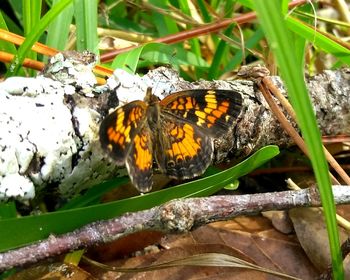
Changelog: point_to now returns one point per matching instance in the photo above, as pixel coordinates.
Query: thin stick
(285, 103)
(176, 216)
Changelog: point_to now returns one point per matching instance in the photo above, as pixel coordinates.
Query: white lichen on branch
(50, 123)
(37, 141)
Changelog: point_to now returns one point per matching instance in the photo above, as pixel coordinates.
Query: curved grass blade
(155, 52)
(21, 231)
(319, 40)
(93, 195)
(204, 259)
(128, 61)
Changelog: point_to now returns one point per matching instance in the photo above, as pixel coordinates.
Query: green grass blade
(11, 25)
(58, 30)
(280, 41)
(204, 11)
(194, 42)
(21, 231)
(165, 25)
(94, 194)
(247, 3)
(164, 55)
(220, 54)
(85, 13)
(17, 8)
(31, 17)
(155, 53)
(252, 42)
(34, 35)
(31, 14)
(128, 61)
(8, 210)
(319, 40)
(5, 46)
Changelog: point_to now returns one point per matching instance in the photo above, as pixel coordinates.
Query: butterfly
(176, 132)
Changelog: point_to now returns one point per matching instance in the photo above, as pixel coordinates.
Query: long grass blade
(281, 44)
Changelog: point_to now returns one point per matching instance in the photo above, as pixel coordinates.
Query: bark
(49, 124)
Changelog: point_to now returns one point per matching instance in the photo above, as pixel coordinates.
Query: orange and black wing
(183, 151)
(213, 110)
(139, 160)
(118, 129)
(125, 135)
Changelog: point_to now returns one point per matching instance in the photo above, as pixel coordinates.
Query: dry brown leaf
(280, 221)
(125, 246)
(310, 228)
(112, 43)
(57, 271)
(180, 272)
(252, 239)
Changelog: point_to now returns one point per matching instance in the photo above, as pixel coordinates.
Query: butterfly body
(177, 132)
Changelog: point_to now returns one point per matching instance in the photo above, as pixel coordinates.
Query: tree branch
(50, 123)
(176, 216)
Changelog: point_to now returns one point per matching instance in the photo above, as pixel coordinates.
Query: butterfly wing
(184, 151)
(184, 147)
(118, 129)
(139, 160)
(127, 138)
(213, 110)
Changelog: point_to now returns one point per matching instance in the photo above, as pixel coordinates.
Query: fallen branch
(50, 123)
(176, 216)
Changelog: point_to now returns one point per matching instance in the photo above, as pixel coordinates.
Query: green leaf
(282, 45)
(174, 56)
(232, 186)
(21, 231)
(128, 61)
(194, 42)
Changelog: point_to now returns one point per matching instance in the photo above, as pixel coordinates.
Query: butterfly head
(150, 98)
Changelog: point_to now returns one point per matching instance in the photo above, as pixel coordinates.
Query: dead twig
(267, 83)
(176, 216)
